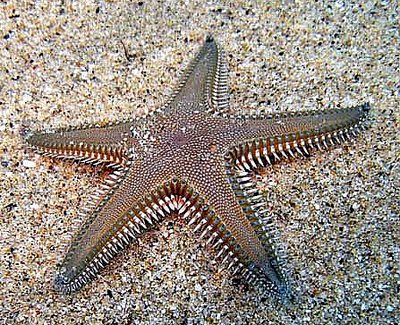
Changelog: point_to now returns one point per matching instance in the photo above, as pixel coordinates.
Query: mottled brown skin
(194, 158)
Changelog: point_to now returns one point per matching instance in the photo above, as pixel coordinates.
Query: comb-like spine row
(169, 197)
(204, 222)
(253, 205)
(266, 151)
(78, 151)
(217, 85)
(212, 230)
(82, 153)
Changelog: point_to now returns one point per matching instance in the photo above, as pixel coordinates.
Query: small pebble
(29, 163)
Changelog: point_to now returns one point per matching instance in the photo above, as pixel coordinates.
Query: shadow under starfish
(193, 157)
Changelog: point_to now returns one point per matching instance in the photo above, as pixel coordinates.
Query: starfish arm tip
(209, 38)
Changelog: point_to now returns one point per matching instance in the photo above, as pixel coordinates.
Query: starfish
(196, 158)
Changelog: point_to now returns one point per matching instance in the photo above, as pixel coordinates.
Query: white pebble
(26, 98)
(29, 163)
(34, 206)
(389, 308)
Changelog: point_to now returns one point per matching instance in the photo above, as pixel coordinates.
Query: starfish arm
(230, 228)
(125, 206)
(253, 204)
(205, 81)
(259, 140)
(91, 144)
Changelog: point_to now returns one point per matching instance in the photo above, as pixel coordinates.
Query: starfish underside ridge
(195, 158)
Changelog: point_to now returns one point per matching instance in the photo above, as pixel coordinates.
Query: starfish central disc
(179, 139)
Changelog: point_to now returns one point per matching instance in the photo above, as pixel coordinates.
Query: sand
(65, 64)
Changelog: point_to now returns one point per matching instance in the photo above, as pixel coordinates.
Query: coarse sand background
(64, 63)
